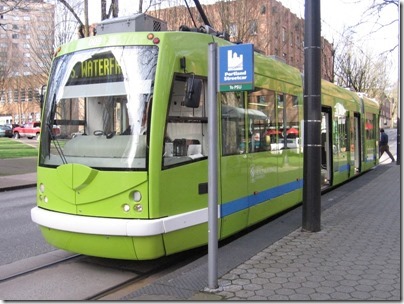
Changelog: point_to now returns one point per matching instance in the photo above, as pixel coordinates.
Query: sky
(335, 16)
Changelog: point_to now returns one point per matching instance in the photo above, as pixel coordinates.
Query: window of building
(30, 94)
(233, 30)
(284, 34)
(2, 96)
(253, 27)
(16, 95)
(14, 36)
(22, 95)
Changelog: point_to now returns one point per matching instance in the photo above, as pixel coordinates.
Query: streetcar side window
(340, 129)
(288, 122)
(185, 137)
(261, 120)
(273, 121)
(369, 126)
(233, 123)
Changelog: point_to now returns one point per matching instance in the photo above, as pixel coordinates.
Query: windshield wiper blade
(50, 130)
(56, 144)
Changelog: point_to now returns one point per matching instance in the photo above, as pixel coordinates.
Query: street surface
(20, 237)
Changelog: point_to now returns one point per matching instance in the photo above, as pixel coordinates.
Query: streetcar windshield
(99, 100)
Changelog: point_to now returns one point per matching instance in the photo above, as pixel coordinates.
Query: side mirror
(193, 92)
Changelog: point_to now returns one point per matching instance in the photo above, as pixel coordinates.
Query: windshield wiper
(56, 143)
(52, 136)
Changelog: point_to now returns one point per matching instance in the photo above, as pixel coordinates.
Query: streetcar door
(355, 143)
(326, 148)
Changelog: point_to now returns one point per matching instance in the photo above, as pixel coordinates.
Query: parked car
(12, 126)
(6, 131)
(29, 130)
(32, 130)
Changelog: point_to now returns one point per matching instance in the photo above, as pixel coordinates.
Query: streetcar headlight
(137, 196)
(42, 188)
(138, 207)
(45, 199)
(126, 207)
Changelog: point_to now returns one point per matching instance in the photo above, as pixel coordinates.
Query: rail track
(79, 277)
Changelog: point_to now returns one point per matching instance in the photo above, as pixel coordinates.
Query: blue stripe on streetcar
(255, 199)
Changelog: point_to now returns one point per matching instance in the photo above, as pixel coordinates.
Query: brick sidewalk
(355, 256)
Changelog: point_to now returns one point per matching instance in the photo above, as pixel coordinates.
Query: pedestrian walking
(384, 145)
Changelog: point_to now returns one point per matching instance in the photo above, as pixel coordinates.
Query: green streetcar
(127, 176)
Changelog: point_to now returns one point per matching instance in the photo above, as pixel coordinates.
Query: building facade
(272, 28)
(26, 48)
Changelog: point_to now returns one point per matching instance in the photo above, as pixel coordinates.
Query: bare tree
(239, 20)
(7, 7)
(6, 64)
(113, 9)
(72, 11)
(356, 68)
(372, 19)
(65, 22)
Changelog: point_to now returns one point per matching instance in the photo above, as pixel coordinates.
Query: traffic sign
(236, 68)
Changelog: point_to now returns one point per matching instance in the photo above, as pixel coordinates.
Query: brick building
(26, 48)
(272, 28)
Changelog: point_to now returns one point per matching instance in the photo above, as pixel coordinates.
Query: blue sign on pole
(236, 68)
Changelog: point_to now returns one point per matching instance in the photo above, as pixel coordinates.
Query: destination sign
(98, 69)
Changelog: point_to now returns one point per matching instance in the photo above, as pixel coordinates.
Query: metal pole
(398, 158)
(212, 167)
(202, 12)
(312, 121)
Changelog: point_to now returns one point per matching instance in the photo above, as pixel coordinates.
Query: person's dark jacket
(384, 139)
